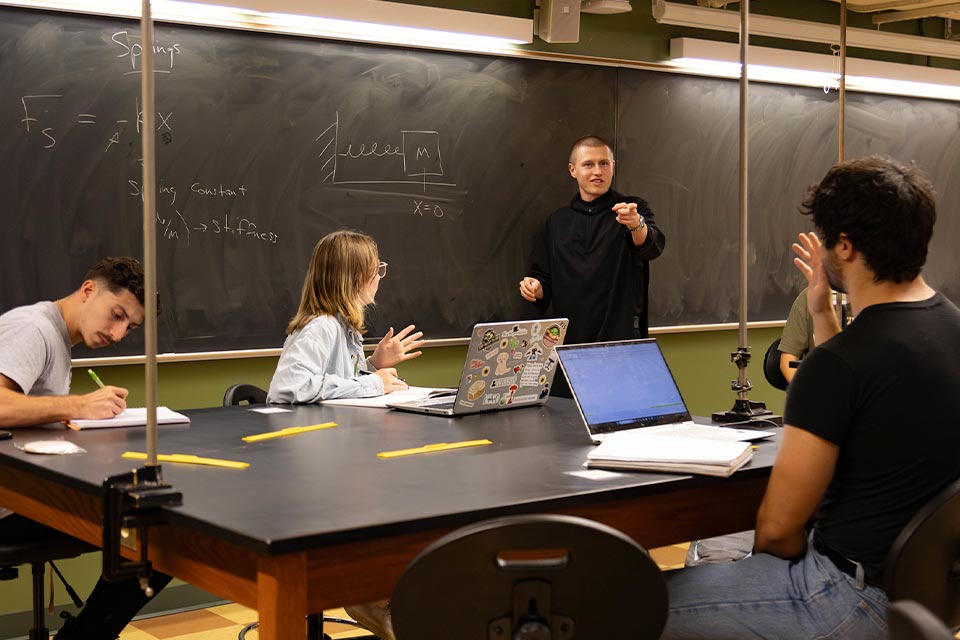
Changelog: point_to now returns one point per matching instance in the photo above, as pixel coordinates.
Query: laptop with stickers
(508, 365)
(623, 386)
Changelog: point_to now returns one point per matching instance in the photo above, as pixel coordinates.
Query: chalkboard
(451, 161)
(264, 144)
(678, 138)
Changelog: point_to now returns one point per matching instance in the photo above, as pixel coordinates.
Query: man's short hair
(119, 274)
(886, 208)
(589, 141)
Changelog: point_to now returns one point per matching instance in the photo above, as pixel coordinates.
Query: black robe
(592, 273)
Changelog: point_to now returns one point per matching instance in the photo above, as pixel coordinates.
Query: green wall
(700, 361)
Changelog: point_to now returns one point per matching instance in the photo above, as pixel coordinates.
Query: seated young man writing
(35, 344)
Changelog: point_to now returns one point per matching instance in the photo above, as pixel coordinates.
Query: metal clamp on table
(131, 501)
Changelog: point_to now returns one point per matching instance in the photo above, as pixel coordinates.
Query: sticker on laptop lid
(489, 339)
(552, 335)
(476, 390)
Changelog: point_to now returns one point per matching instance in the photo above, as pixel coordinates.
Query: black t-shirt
(886, 391)
(590, 270)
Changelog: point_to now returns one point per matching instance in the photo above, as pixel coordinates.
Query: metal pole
(843, 79)
(744, 44)
(842, 125)
(148, 163)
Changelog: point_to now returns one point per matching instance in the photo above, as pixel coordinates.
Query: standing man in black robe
(591, 261)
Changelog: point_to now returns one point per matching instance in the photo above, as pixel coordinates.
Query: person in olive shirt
(591, 260)
(796, 340)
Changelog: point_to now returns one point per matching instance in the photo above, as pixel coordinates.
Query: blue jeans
(764, 596)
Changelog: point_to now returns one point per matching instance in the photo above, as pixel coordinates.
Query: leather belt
(846, 565)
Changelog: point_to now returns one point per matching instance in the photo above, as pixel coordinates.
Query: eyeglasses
(382, 269)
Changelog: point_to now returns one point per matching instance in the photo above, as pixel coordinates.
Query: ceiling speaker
(559, 20)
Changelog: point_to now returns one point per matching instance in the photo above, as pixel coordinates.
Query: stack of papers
(404, 395)
(676, 454)
(132, 417)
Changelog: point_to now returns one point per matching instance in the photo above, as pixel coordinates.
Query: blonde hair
(342, 264)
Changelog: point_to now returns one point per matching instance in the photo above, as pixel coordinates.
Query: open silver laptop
(622, 386)
(508, 365)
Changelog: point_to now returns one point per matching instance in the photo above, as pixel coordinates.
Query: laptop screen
(622, 385)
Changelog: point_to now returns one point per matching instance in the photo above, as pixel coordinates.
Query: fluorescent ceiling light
(605, 6)
(361, 20)
(722, 59)
(943, 10)
(788, 29)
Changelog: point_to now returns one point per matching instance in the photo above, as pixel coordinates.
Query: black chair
(37, 551)
(907, 620)
(771, 367)
(533, 577)
(240, 393)
(251, 394)
(923, 563)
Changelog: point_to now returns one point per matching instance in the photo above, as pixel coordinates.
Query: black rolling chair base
(314, 628)
(37, 552)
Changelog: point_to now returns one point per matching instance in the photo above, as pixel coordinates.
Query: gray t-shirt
(35, 352)
(35, 349)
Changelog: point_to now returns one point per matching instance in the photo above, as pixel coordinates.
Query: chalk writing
(163, 125)
(414, 160)
(170, 227)
(27, 118)
(421, 207)
(218, 190)
(133, 51)
(374, 150)
(135, 190)
(36, 107)
(176, 226)
(421, 153)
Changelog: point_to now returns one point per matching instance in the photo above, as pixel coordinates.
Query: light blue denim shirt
(323, 361)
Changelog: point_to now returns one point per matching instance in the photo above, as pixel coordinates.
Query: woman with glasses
(322, 356)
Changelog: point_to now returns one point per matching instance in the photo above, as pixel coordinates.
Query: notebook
(131, 417)
(620, 387)
(508, 365)
(642, 451)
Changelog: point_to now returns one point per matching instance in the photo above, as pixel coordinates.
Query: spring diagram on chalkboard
(409, 162)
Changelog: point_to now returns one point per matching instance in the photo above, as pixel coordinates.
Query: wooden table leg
(282, 597)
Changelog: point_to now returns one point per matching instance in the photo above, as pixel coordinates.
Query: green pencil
(96, 378)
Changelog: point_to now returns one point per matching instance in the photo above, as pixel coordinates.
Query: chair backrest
(239, 393)
(907, 620)
(924, 561)
(771, 366)
(544, 577)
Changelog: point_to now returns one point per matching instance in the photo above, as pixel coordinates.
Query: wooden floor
(226, 621)
(216, 623)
